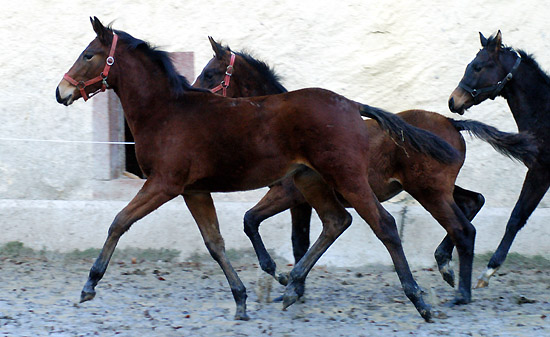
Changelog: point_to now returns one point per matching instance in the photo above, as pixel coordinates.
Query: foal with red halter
(190, 142)
(391, 171)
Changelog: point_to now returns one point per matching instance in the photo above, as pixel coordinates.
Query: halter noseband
(81, 85)
(494, 89)
(225, 82)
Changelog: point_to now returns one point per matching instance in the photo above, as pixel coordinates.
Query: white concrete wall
(393, 54)
(64, 226)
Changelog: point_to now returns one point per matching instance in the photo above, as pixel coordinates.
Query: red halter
(225, 82)
(102, 77)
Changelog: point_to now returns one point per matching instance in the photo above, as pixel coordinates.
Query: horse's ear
(483, 40)
(498, 40)
(217, 48)
(104, 34)
(495, 43)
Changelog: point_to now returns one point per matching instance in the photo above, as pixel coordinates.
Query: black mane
(263, 68)
(530, 60)
(178, 83)
(526, 58)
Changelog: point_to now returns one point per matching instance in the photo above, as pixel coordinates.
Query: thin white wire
(63, 141)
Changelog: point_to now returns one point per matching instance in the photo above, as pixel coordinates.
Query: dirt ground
(149, 294)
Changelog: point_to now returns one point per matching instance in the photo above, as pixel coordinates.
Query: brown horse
(391, 169)
(515, 75)
(191, 142)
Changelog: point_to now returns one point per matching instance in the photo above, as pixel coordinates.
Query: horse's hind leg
(358, 193)
(470, 204)
(335, 220)
(383, 224)
(462, 234)
(534, 187)
(202, 208)
(147, 200)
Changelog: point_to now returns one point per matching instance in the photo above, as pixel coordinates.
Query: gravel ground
(150, 295)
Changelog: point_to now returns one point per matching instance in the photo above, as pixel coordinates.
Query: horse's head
(89, 73)
(218, 73)
(238, 74)
(486, 76)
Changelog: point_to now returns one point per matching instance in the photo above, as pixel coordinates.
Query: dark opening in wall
(131, 163)
(115, 160)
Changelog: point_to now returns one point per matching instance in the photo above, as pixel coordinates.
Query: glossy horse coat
(502, 71)
(191, 142)
(394, 167)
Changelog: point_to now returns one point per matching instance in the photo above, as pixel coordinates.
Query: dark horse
(191, 142)
(513, 74)
(392, 169)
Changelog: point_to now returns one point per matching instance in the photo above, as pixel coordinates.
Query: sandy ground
(152, 297)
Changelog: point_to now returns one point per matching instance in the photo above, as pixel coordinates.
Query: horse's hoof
(86, 295)
(460, 300)
(483, 280)
(289, 299)
(481, 283)
(427, 314)
(448, 275)
(283, 279)
(242, 317)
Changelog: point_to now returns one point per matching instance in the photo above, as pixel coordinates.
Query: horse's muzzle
(67, 100)
(453, 108)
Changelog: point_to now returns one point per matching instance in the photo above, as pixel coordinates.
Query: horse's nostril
(57, 96)
(451, 104)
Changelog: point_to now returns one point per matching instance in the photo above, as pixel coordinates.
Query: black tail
(421, 140)
(518, 146)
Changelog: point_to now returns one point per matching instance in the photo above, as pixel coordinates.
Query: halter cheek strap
(81, 85)
(494, 89)
(225, 82)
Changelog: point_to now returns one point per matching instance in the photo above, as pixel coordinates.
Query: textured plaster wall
(393, 54)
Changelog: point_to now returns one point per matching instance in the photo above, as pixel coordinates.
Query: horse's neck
(262, 87)
(140, 96)
(528, 97)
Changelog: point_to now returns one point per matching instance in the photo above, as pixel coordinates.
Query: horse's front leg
(281, 196)
(149, 198)
(534, 187)
(202, 208)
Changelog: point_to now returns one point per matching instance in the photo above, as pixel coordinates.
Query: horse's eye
(208, 75)
(88, 57)
(477, 68)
